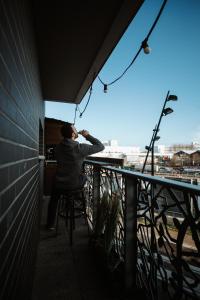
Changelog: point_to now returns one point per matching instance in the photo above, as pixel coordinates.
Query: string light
(144, 46)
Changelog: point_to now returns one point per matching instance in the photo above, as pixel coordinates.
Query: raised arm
(86, 149)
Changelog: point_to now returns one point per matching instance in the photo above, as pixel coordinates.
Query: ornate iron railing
(151, 224)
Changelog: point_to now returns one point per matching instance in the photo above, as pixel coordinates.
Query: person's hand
(84, 133)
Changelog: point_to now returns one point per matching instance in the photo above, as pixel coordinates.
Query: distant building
(181, 158)
(195, 158)
(177, 154)
(113, 143)
(162, 149)
(106, 143)
(112, 150)
(181, 147)
(187, 158)
(196, 145)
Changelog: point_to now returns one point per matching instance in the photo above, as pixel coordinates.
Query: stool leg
(57, 215)
(84, 206)
(85, 212)
(72, 222)
(66, 212)
(73, 215)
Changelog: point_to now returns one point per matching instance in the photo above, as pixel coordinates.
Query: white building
(113, 143)
(112, 150)
(196, 145)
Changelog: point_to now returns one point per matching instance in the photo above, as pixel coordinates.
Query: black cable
(124, 70)
(90, 93)
(75, 114)
(156, 20)
(77, 107)
(141, 47)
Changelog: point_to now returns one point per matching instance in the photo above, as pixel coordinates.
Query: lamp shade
(167, 111)
(148, 148)
(172, 98)
(157, 138)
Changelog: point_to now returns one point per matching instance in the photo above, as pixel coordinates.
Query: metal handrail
(152, 179)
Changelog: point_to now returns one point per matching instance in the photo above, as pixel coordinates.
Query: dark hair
(66, 130)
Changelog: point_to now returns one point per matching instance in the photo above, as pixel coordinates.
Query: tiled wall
(21, 112)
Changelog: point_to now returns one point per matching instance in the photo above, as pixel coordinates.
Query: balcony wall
(21, 123)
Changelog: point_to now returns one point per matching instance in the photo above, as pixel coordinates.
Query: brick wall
(21, 120)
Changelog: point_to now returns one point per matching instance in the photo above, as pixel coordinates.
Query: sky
(130, 109)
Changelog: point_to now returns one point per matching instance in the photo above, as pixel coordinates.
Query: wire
(156, 20)
(90, 93)
(118, 78)
(76, 108)
(141, 47)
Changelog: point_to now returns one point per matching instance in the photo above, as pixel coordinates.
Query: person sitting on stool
(70, 155)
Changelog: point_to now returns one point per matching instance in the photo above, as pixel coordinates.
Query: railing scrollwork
(156, 233)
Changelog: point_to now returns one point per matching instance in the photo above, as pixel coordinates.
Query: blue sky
(132, 106)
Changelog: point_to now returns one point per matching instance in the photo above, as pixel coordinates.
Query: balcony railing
(148, 224)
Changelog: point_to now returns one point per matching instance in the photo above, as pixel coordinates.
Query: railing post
(130, 234)
(96, 189)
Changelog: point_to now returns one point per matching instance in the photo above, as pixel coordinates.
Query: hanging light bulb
(145, 47)
(105, 88)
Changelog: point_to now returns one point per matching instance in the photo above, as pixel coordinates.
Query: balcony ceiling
(74, 40)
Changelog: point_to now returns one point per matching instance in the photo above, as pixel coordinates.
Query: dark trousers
(57, 191)
(52, 207)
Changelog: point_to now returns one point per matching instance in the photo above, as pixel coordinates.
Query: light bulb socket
(105, 88)
(145, 47)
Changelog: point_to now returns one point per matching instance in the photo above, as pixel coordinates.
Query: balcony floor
(64, 272)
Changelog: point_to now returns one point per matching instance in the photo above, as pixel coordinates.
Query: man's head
(69, 131)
